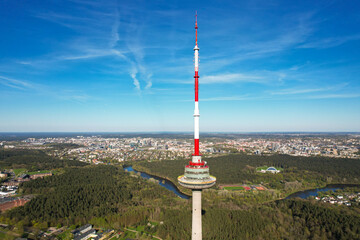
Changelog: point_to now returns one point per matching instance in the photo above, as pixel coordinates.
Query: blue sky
(110, 66)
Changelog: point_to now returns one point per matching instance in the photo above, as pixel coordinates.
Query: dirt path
(131, 230)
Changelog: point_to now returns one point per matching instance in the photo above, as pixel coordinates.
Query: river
(302, 194)
(163, 182)
(314, 192)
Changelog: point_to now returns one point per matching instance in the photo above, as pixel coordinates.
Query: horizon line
(176, 132)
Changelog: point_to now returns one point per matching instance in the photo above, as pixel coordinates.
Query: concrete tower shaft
(196, 233)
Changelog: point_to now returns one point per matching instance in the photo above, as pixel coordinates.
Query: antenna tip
(196, 20)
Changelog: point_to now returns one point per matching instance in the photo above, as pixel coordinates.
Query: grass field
(233, 188)
(261, 168)
(132, 232)
(38, 172)
(19, 171)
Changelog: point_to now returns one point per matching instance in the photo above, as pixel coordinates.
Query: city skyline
(82, 66)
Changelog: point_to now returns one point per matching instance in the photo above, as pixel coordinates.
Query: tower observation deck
(197, 175)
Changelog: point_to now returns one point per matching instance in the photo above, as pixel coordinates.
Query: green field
(233, 188)
(38, 172)
(261, 168)
(19, 171)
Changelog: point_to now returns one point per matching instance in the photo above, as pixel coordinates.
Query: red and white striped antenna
(196, 111)
(197, 175)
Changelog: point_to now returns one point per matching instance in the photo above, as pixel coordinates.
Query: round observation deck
(193, 183)
(197, 176)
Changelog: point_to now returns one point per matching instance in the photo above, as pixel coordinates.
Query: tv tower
(197, 176)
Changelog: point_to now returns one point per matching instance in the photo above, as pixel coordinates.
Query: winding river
(163, 182)
(314, 192)
(302, 194)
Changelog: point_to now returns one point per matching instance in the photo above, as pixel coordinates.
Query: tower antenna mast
(196, 27)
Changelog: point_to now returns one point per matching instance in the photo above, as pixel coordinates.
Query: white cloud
(40, 89)
(230, 98)
(99, 36)
(340, 95)
(135, 80)
(14, 83)
(330, 42)
(230, 78)
(298, 91)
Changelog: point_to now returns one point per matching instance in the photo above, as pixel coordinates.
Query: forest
(285, 219)
(107, 196)
(308, 172)
(80, 194)
(33, 160)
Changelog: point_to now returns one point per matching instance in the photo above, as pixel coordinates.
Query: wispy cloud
(299, 66)
(136, 55)
(89, 54)
(340, 95)
(15, 83)
(115, 30)
(75, 97)
(66, 20)
(291, 91)
(270, 42)
(330, 42)
(135, 80)
(229, 98)
(260, 77)
(230, 78)
(269, 97)
(102, 38)
(225, 98)
(222, 78)
(40, 89)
